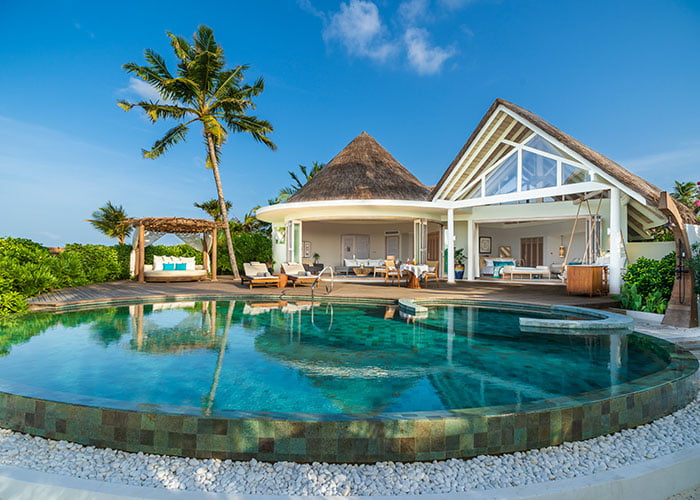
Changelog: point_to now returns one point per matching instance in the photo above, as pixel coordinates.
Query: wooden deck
(544, 294)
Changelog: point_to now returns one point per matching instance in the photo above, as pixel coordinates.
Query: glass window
(539, 142)
(504, 178)
(538, 171)
(474, 192)
(572, 175)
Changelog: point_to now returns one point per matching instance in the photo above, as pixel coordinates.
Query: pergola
(179, 226)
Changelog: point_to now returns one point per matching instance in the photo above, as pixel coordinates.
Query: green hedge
(28, 269)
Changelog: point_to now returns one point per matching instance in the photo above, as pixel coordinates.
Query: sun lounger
(297, 274)
(256, 274)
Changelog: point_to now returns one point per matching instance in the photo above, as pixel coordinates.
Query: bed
(492, 266)
(167, 269)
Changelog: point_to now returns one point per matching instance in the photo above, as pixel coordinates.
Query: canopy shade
(175, 224)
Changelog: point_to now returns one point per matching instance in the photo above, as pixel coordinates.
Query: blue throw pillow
(168, 267)
(181, 267)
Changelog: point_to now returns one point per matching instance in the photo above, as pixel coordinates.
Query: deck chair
(297, 274)
(392, 272)
(381, 270)
(256, 274)
(432, 272)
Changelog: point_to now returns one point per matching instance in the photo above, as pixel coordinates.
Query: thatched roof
(364, 170)
(649, 191)
(175, 224)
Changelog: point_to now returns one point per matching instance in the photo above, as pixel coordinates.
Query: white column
(615, 260)
(471, 249)
(450, 245)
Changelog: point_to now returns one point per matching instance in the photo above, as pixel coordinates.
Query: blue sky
(622, 77)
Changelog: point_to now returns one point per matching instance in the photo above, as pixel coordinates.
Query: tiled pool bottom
(419, 436)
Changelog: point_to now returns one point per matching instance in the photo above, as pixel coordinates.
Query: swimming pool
(334, 382)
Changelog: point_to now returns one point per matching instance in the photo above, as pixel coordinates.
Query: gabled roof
(364, 170)
(633, 182)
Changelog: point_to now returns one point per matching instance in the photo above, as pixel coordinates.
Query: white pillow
(376, 262)
(190, 261)
(351, 263)
(489, 262)
(157, 263)
(363, 262)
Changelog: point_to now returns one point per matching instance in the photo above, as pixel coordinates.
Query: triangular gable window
(505, 178)
(571, 174)
(539, 142)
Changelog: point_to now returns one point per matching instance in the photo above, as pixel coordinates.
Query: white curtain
(195, 241)
(149, 238)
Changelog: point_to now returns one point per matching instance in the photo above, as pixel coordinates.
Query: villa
(518, 189)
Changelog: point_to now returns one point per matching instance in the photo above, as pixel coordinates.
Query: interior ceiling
(535, 223)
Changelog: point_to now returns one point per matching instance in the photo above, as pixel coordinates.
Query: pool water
(337, 358)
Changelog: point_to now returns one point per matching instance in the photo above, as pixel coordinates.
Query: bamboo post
(213, 254)
(141, 253)
(205, 254)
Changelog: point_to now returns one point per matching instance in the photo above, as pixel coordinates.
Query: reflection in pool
(334, 358)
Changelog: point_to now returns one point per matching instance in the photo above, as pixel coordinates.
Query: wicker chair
(392, 272)
(432, 272)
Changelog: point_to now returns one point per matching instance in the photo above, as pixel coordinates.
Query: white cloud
(412, 10)
(308, 7)
(423, 57)
(142, 89)
(359, 28)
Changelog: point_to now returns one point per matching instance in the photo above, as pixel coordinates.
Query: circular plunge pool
(337, 382)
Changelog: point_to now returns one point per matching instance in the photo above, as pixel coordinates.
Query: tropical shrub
(648, 284)
(248, 247)
(99, 263)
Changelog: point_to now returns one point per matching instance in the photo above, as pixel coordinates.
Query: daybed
(166, 269)
(492, 265)
(297, 274)
(256, 273)
(530, 272)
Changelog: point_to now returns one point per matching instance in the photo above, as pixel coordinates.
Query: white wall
(325, 238)
(649, 249)
(551, 231)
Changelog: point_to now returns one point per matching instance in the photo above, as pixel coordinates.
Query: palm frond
(171, 137)
(258, 129)
(181, 47)
(227, 79)
(125, 105)
(157, 63)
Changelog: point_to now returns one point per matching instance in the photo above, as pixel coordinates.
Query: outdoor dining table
(416, 272)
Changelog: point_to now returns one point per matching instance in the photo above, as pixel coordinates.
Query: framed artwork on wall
(307, 249)
(485, 244)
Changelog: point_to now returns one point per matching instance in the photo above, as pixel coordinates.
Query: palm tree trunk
(222, 206)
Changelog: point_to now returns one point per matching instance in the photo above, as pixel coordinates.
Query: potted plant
(459, 263)
(317, 266)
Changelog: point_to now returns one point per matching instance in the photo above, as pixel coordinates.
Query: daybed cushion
(180, 274)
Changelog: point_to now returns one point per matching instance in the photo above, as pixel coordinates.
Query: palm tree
(111, 221)
(201, 91)
(212, 208)
(298, 183)
(686, 192)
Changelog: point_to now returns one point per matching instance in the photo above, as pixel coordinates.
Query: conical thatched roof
(364, 170)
